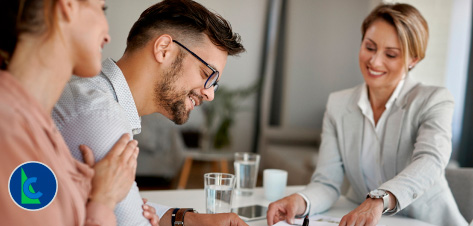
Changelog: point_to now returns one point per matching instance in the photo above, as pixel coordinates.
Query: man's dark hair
(186, 21)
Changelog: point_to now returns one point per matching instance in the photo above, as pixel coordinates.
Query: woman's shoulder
(346, 94)
(427, 94)
(344, 98)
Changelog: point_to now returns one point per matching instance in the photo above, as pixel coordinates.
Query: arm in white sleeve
(160, 209)
(324, 188)
(100, 130)
(431, 152)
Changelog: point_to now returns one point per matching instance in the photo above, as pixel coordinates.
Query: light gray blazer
(416, 149)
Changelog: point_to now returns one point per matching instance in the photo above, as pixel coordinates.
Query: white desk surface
(195, 198)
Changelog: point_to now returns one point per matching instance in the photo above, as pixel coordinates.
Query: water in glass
(246, 173)
(219, 198)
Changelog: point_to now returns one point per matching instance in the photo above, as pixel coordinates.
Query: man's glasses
(212, 79)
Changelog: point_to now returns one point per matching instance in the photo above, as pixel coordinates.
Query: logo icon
(32, 186)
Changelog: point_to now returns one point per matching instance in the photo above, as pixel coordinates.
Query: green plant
(220, 113)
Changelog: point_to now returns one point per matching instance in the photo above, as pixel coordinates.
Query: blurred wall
(322, 43)
(323, 39)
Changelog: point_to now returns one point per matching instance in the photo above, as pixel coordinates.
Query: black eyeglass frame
(214, 82)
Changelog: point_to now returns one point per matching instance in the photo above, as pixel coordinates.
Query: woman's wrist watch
(179, 220)
(380, 194)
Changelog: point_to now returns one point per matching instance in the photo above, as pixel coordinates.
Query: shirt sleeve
(100, 129)
(160, 209)
(307, 207)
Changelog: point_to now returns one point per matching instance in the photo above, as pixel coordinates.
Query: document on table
(316, 220)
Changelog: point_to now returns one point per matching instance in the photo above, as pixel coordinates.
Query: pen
(306, 220)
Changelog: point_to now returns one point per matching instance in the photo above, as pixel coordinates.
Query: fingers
(121, 145)
(132, 161)
(343, 222)
(283, 209)
(129, 150)
(155, 221)
(145, 200)
(235, 220)
(150, 213)
(133, 156)
(290, 215)
(270, 214)
(87, 155)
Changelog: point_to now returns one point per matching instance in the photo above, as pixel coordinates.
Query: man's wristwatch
(179, 220)
(378, 194)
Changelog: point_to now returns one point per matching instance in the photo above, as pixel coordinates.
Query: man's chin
(179, 120)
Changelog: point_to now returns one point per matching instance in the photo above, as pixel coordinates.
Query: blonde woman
(391, 136)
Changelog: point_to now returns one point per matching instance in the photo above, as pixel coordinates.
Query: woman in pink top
(43, 42)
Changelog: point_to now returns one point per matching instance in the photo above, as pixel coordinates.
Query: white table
(195, 198)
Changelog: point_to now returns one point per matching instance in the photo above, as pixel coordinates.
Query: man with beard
(174, 57)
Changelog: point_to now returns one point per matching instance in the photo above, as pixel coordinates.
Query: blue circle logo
(32, 186)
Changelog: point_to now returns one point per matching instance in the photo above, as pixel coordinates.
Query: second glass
(246, 172)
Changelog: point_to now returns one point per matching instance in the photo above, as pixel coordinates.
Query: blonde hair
(411, 27)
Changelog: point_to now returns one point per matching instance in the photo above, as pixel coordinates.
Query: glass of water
(246, 172)
(218, 192)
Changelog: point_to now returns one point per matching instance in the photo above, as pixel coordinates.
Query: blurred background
(298, 52)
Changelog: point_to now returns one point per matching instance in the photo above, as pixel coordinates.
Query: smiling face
(89, 34)
(381, 60)
(182, 86)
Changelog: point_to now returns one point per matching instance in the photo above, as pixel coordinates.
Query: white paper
(315, 220)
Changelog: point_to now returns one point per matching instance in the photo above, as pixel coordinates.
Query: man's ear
(66, 8)
(162, 48)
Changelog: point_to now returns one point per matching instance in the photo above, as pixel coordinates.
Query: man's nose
(208, 93)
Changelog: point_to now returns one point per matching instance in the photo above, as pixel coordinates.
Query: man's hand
(197, 219)
(150, 213)
(366, 214)
(115, 173)
(286, 209)
(219, 219)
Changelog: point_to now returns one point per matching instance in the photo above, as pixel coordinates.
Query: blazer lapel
(391, 141)
(393, 130)
(353, 134)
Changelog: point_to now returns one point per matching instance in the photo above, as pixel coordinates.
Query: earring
(410, 66)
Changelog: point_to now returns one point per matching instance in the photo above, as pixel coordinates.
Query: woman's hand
(368, 213)
(115, 173)
(285, 209)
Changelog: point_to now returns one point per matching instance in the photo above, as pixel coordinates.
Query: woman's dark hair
(184, 20)
(21, 17)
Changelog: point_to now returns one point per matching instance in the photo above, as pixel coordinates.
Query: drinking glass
(218, 192)
(246, 172)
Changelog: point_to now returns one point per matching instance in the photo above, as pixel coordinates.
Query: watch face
(377, 192)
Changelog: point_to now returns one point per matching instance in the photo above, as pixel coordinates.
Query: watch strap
(384, 197)
(173, 216)
(385, 203)
(180, 216)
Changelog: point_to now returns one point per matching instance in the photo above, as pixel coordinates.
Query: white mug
(274, 183)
